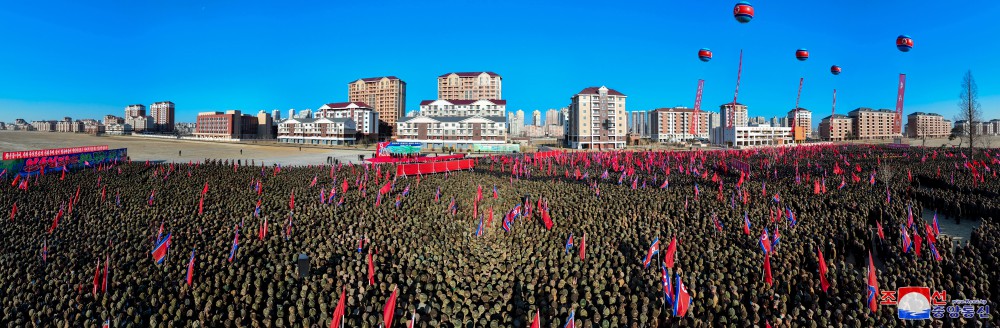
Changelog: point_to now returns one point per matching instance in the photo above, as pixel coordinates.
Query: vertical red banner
(897, 124)
(697, 109)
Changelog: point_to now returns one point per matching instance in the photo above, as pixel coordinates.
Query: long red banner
(434, 167)
(9, 155)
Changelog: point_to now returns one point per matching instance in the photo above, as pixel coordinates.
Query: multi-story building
(638, 124)
(758, 120)
(927, 125)
(135, 110)
(564, 116)
(455, 123)
(515, 121)
(552, 117)
(555, 131)
(872, 124)
(317, 131)
(597, 119)
(836, 128)
(264, 125)
(802, 118)
(276, 115)
(305, 113)
(674, 124)
(536, 118)
(534, 131)
(733, 115)
(68, 125)
(118, 129)
(95, 128)
(291, 113)
(44, 126)
(387, 95)
(365, 117)
(754, 136)
(111, 119)
(163, 116)
(470, 86)
(228, 125)
(140, 123)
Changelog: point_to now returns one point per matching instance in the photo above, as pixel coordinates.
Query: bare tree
(969, 109)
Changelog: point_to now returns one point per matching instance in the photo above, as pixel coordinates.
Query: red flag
(201, 204)
(583, 247)
(881, 235)
(56, 221)
(671, 254)
(102, 193)
(390, 309)
(823, 283)
(204, 190)
(343, 186)
(16, 178)
(536, 323)
(385, 188)
(767, 269)
(338, 312)
(546, 219)
(371, 270)
(262, 232)
(97, 276)
(104, 281)
(291, 202)
(873, 293)
(916, 243)
(13, 212)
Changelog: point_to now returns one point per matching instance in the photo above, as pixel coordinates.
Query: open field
(141, 149)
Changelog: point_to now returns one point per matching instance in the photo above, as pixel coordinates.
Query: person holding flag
(654, 249)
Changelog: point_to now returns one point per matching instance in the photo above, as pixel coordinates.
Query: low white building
(317, 131)
(453, 131)
(118, 129)
(751, 136)
(442, 107)
(363, 115)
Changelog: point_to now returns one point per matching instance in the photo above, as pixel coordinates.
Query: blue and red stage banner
(59, 158)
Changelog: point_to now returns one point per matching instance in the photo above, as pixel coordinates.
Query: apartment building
(597, 119)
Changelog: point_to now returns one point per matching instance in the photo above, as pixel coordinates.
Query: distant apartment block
(163, 116)
(515, 120)
(135, 110)
(597, 119)
(228, 125)
(674, 124)
(44, 126)
(836, 128)
(455, 123)
(927, 125)
(387, 95)
(317, 131)
(802, 118)
(470, 86)
(365, 117)
(140, 123)
(872, 123)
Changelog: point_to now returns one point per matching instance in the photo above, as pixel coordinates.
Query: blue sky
(90, 58)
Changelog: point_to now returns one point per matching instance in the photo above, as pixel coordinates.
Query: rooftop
(469, 74)
(596, 90)
(374, 79)
(464, 102)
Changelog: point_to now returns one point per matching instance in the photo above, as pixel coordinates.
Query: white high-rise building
(552, 117)
(516, 123)
(536, 118)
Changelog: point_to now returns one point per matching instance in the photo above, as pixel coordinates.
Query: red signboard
(434, 167)
(897, 123)
(9, 155)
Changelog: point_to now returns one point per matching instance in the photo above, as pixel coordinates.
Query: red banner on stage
(9, 155)
(434, 167)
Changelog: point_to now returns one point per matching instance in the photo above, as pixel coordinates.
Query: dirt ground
(141, 149)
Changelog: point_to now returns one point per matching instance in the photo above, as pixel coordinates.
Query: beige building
(929, 125)
(365, 117)
(387, 95)
(44, 126)
(674, 124)
(470, 86)
(836, 128)
(872, 123)
(801, 117)
(597, 119)
(455, 123)
(135, 110)
(163, 116)
(317, 131)
(733, 115)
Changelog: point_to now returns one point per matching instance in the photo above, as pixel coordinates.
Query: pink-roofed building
(470, 86)
(365, 117)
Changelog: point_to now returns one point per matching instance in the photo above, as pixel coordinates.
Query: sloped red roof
(469, 74)
(373, 79)
(595, 90)
(464, 102)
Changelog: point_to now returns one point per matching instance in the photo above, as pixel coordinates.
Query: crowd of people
(459, 252)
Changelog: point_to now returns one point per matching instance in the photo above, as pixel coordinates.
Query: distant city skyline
(657, 69)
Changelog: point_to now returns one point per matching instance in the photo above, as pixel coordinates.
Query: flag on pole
(654, 248)
(668, 293)
(13, 211)
(97, 276)
(823, 283)
(571, 321)
(872, 300)
(767, 269)
(236, 245)
(881, 234)
(671, 253)
(536, 322)
(45, 251)
(390, 309)
(190, 269)
(371, 269)
(104, 280)
(746, 224)
(682, 299)
(160, 250)
(569, 243)
(583, 247)
(338, 312)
